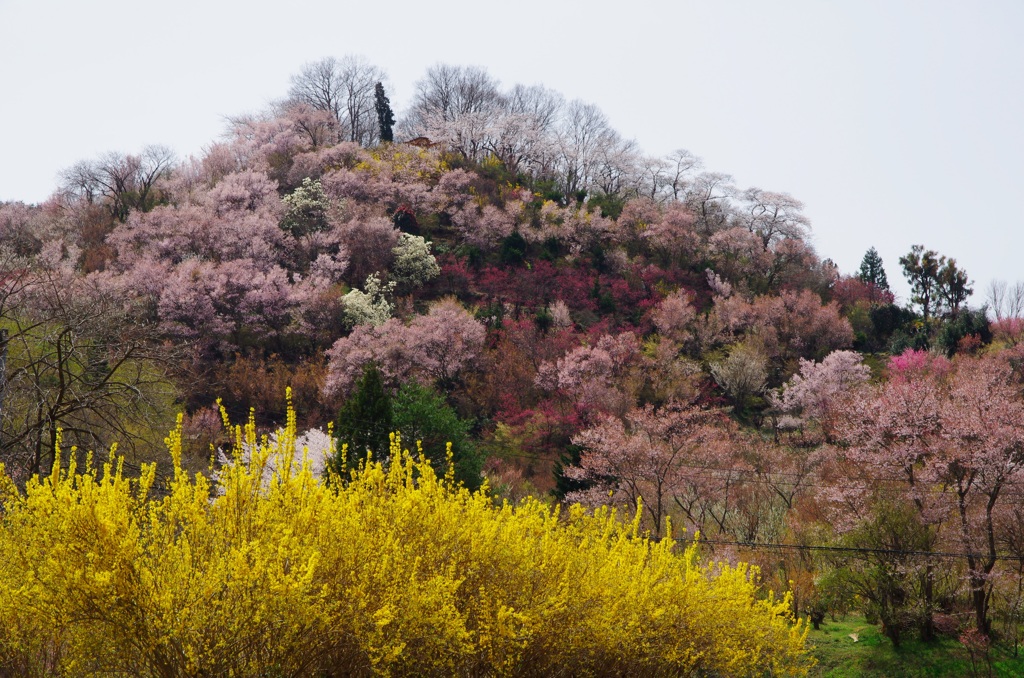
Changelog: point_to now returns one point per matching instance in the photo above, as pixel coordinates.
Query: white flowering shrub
(370, 306)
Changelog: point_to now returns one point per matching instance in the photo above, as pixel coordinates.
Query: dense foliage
(397, 572)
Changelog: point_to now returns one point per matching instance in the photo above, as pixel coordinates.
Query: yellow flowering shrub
(395, 572)
(401, 161)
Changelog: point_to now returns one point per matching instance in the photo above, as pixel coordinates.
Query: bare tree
(319, 85)
(450, 92)
(345, 89)
(122, 182)
(457, 105)
(76, 363)
(1015, 300)
(773, 216)
(585, 136)
(1004, 300)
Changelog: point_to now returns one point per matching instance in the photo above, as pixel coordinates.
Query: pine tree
(385, 116)
(921, 269)
(422, 416)
(871, 270)
(364, 423)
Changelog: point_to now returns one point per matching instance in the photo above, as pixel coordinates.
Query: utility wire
(855, 549)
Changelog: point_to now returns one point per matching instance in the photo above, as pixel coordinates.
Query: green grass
(874, 655)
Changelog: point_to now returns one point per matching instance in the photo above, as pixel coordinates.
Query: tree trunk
(979, 598)
(927, 627)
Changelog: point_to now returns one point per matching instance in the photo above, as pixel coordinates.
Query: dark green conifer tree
(871, 270)
(364, 423)
(385, 116)
(423, 416)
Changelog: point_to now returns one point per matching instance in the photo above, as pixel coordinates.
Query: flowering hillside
(499, 275)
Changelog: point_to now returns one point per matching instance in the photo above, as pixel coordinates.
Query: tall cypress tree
(385, 116)
(871, 270)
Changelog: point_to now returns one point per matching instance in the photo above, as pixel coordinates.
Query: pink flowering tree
(675, 318)
(444, 341)
(670, 459)
(812, 391)
(672, 236)
(790, 325)
(433, 349)
(982, 458)
(592, 378)
(370, 244)
(949, 435)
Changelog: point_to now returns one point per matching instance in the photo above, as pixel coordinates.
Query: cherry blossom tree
(983, 455)
(672, 234)
(674, 315)
(665, 458)
(790, 325)
(773, 216)
(708, 197)
(680, 164)
(445, 341)
(522, 135)
(455, 104)
(890, 435)
(226, 305)
(592, 377)
(488, 226)
(434, 349)
(266, 143)
(812, 391)
(317, 128)
(384, 345)
(950, 435)
(238, 218)
(370, 244)
(23, 229)
(739, 254)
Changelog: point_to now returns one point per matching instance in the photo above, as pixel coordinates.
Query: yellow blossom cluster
(396, 571)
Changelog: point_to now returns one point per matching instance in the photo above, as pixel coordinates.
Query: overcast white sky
(895, 122)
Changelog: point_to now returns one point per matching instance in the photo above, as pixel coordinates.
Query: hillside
(582, 322)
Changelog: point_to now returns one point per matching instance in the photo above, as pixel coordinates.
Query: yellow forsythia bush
(396, 572)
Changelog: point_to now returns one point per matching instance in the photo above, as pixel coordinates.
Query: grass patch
(874, 655)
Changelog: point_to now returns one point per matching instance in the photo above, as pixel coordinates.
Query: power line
(856, 549)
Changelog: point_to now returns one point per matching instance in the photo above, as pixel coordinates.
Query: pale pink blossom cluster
(815, 387)
(432, 348)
